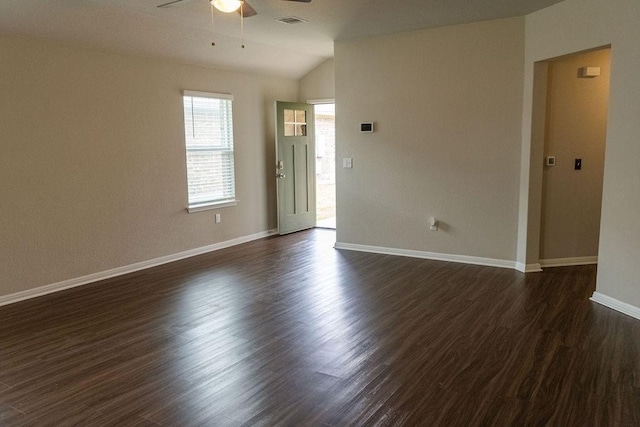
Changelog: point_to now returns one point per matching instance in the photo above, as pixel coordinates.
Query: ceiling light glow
(226, 6)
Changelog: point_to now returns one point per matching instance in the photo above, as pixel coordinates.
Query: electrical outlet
(218, 219)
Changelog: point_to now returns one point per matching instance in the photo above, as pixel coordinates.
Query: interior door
(295, 166)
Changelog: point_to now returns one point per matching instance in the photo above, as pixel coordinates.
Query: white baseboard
(119, 271)
(464, 259)
(567, 262)
(622, 307)
(528, 268)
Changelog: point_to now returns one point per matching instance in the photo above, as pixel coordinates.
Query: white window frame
(213, 202)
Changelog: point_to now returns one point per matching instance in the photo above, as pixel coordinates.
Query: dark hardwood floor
(289, 331)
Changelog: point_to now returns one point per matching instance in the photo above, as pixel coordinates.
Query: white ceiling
(183, 32)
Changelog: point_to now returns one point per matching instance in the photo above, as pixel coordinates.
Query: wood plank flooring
(288, 331)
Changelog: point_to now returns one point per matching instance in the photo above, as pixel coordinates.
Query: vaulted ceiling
(183, 32)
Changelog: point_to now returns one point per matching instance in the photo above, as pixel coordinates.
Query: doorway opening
(325, 133)
(574, 138)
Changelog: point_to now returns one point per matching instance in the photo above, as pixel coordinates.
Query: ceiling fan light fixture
(226, 6)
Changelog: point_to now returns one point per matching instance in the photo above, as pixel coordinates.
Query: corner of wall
(318, 83)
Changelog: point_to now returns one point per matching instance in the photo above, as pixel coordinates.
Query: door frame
(320, 101)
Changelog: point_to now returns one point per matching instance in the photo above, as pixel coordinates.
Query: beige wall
(92, 161)
(319, 83)
(447, 106)
(576, 128)
(574, 26)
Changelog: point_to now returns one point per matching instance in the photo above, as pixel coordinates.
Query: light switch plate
(577, 165)
(347, 163)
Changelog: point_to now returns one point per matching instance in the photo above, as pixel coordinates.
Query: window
(295, 123)
(208, 124)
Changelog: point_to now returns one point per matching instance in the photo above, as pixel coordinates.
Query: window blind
(208, 119)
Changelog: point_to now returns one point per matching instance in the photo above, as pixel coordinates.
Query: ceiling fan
(227, 6)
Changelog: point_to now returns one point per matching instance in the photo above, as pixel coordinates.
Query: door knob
(280, 175)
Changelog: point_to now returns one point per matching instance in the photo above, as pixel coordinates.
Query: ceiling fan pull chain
(213, 43)
(242, 25)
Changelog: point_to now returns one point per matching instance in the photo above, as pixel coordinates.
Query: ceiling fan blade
(247, 10)
(172, 3)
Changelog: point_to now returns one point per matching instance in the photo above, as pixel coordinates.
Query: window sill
(210, 206)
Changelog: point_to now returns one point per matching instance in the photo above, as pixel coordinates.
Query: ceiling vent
(291, 20)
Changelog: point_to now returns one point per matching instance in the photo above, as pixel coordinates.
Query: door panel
(295, 167)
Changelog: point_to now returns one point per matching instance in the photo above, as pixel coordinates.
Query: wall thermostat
(366, 127)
